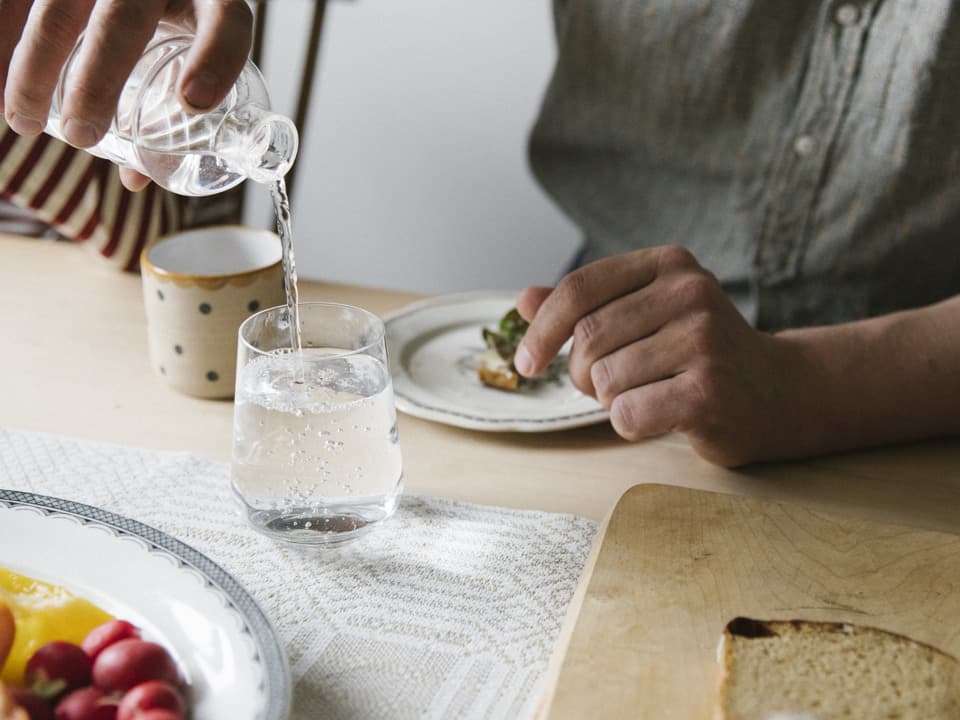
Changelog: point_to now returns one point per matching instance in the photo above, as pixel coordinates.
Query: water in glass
(316, 458)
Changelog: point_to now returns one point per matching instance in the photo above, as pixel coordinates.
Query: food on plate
(130, 679)
(496, 367)
(109, 633)
(43, 613)
(822, 671)
(496, 364)
(88, 703)
(107, 673)
(7, 631)
(35, 706)
(159, 714)
(57, 668)
(128, 663)
(9, 708)
(151, 696)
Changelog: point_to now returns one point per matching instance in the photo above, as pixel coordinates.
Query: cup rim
(148, 266)
(379, 337)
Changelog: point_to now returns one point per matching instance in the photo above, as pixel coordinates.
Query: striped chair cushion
(48, 185)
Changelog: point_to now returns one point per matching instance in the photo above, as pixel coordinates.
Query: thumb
(219, 52)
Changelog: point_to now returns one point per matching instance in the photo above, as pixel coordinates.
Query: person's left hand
(659, 344)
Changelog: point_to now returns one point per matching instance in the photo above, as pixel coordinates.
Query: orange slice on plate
(42, 613)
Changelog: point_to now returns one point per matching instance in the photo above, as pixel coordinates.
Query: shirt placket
(834, 61)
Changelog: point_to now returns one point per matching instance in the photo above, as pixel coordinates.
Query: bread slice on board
(803, 670)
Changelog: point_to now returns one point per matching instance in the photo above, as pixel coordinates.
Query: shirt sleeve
(81, 198)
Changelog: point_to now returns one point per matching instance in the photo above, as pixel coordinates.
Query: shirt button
(804, 145)
(847, 15)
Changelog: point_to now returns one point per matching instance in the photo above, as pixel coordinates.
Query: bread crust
(750, 629)
(503, 379)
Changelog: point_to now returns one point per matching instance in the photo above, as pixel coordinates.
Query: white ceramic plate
(220, 638)
(434, 346)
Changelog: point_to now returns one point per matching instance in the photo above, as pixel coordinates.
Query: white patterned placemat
(450, 610)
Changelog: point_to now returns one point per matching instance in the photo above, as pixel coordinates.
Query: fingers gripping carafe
(186, 152)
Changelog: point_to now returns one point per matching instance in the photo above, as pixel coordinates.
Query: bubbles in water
(311, 447)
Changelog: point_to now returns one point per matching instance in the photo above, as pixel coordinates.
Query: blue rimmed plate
(223, 642)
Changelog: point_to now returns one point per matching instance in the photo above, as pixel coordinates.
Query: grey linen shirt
(805, 150)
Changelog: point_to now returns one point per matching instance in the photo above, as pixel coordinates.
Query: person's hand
(37, 37)
(658, 343)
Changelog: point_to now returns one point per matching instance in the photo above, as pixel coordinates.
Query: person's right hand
(37, 37)
(660, 345)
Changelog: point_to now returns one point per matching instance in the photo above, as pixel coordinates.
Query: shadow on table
(917, 484)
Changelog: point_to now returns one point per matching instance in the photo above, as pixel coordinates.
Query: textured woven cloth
(450, 610)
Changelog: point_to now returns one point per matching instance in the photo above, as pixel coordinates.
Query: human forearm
(887, 379)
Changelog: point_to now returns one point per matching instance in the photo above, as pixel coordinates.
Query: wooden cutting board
(677, 564)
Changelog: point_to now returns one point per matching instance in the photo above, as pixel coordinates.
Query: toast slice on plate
(496, 363)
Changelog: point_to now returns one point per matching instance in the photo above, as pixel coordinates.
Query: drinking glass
(316, 456)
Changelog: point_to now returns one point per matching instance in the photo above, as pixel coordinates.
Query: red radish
(152, 695)
(35, 706)
(130, 662)
(107, 634)
(159, 714)
(57, 668)
(88, 703)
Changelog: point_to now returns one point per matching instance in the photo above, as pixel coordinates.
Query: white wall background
(413, 171)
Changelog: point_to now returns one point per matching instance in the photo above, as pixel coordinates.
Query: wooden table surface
(73, 361)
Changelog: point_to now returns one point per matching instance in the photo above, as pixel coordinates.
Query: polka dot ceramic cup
(198, 287)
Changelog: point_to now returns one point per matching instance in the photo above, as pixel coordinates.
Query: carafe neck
(257, 143)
